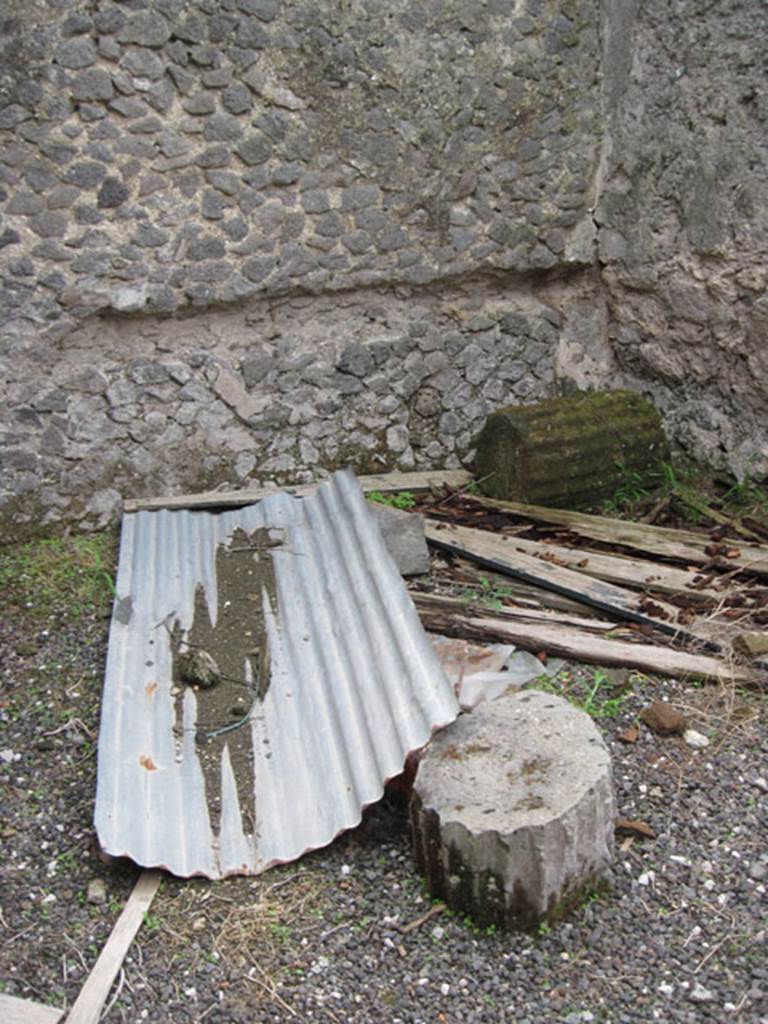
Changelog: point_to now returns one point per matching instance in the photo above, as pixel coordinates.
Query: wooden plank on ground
(578, 644)
(637, 574)
(88, 1005)
(23, 1011)
(500, 553)
(681, 545)
(384, 482)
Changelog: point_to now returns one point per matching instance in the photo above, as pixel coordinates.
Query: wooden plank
(23, 1011)
(88, 1005)
(681, 545)
(637, 574)
(384, 482)
(569, 642)
(499, 552)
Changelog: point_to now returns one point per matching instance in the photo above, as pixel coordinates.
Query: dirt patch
(237, 645)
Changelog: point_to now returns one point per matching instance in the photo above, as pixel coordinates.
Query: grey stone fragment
(205, 248)
(212, 205)
(201, 102)
(9, 237)
(237, 99)
(513, 810)
(148, 125)
(49, 224)
(76, 24)
(13, 115)
(112, 193)
(150, 237)
(222, 128)
(146, 28)
(76, 54)
(97, 892)
(143, 63)
(255, 368)
(330, 224)
(198, 668)
(26, 204)
(403, 534)
(109, 21)
(93, 84)
(355, 360)
(86, 174)
(224, 181)
(254, 149)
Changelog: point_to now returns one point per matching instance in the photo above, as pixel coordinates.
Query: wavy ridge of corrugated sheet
(354, 687)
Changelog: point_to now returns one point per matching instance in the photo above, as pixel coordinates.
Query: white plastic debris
(486, 671)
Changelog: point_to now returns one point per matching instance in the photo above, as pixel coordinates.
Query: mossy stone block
(573, 452)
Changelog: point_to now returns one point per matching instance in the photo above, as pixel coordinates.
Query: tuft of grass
(401, 499)
(75, 574)
(599, 696)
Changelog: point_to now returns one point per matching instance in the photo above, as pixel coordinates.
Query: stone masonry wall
(242, 239)
(683, 217)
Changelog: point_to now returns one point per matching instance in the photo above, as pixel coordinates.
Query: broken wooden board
(680, 545)
(452, 618)
(24, 1011)
(636, 574)
(88, 1005)
(387, 483)
(500, 553)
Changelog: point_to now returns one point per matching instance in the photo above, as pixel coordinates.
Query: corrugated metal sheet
(354, 686)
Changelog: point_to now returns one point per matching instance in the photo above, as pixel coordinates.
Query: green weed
(151, 923)
(598, 696)
(491, 595)
(402, 499)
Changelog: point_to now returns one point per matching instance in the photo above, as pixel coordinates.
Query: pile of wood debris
(595, 589)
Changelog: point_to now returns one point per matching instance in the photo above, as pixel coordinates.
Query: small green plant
(491, 595)
(402, 499)
(151, 923)
(282, 932)
(544, 928)
(597, 696)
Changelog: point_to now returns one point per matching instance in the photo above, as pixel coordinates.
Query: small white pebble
(646, 878)
(346, 870)
(438, 932)
(445, 988)
(666, 989)
(694, 739)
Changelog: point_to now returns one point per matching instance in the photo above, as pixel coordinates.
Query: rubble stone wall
(244, 239)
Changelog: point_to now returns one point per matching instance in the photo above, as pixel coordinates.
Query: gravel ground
(681, 936)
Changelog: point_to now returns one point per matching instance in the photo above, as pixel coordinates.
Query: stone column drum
(513, 810)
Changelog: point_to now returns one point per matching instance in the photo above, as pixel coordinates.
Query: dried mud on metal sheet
(326, 681)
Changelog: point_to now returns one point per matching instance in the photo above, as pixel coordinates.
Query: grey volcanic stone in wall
(513, 810)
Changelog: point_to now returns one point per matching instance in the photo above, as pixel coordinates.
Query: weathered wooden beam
(384, 482)
(500, 553)
(24, 1011)
(637, 574)
(679, 545)
(559, 640)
